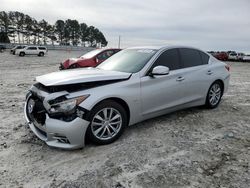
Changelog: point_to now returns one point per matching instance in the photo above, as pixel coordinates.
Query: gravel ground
(190, 148)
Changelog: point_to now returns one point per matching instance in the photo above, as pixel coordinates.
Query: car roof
(104, 49)
(147, 47)
(37, 46)
(162, 47)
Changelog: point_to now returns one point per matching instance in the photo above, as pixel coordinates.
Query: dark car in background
(90, 59)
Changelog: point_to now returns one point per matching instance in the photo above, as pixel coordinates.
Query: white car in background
(240, 56)
(246, 58)
(32, 50)
(232, 56)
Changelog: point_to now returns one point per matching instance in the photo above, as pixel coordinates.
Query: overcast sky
(206, 24)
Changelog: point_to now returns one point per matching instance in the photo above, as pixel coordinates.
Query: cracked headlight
(67, 106)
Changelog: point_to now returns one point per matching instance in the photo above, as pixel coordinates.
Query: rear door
(195, 74)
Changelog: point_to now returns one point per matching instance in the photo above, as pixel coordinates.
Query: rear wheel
(41, 54)
(108, 120)
(214, 95)
(22, 54)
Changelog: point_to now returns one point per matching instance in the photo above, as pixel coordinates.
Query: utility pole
(119, 41)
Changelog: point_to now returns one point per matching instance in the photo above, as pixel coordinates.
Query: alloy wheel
(214, 94)
(106, 123)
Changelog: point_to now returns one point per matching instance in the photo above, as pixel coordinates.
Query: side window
(204, 57)
(110, 53)
(169, 58)
(32, 48)
(42, 48)
(105, 55)
(190, 57)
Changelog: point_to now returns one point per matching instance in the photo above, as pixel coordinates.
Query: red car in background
(90, 59)
(223, 56)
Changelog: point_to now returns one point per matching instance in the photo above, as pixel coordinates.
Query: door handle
(180, 78)
(209, 72)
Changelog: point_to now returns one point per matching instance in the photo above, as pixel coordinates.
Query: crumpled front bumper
(59, 133)
(61, 67)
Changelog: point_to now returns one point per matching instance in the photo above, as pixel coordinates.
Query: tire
(22, 54)
(41, 54)
(105, 132)
(214, 95)
(74, 66)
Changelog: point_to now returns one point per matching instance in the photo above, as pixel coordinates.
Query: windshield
(130, 60)
(91, 54)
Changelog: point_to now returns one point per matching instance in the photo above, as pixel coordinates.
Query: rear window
(42, 48)
(204, 58)
(190, 57)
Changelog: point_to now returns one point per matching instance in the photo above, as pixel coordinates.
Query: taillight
(227, 67)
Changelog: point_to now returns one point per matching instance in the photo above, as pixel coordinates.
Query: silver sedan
(64, 108)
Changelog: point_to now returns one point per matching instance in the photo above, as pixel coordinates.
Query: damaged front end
(55, 119)
(52, 105)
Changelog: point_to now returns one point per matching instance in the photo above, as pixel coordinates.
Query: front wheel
(108, 120)
(22, 54)
(214, 95)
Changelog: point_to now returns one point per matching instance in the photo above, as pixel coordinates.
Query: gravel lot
(190, 148)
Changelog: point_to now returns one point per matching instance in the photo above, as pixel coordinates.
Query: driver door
(161, 92)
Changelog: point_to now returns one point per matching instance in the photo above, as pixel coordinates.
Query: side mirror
(159, 70)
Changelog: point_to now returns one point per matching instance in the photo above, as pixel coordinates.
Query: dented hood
(82, 75)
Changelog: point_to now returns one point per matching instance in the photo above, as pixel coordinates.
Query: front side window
(169, 58)
(204, 57)
(190, 57)
(105, 55)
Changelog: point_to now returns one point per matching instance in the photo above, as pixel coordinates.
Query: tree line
(22, 28)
